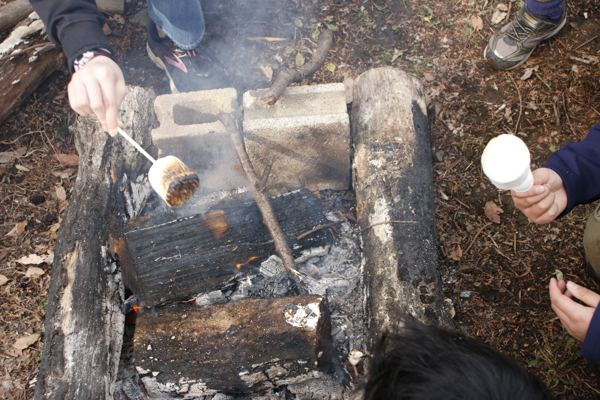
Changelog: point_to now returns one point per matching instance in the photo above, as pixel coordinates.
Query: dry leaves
(34, 259)
(493, 211)
(18, 229)
(34, 271)
(71, 160)
(26, 341)
(456, 253)
(500, 13)
(477, 23)
(3, 280)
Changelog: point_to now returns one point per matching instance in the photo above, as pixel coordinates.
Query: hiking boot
(591, 242)
(512, 45)
(188, 70)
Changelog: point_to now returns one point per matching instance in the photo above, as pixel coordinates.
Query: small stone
(438, 156)
(466, 294)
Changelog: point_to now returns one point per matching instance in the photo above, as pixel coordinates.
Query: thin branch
(476, 236)
(318, 228)
(265, 176)
(287, 76)
(262, 201)
(520, 102)
(584, 43)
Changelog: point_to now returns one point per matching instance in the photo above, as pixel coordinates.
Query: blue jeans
(549, 8)
(181, 20)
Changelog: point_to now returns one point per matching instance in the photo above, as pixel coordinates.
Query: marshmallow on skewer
(505, 161)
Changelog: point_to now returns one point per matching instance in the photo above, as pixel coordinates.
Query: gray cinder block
(308, 133)
(189, 129)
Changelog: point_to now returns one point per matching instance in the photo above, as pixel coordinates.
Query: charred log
(395, 199)
(242, 347)
(84, 320)
(164, 261)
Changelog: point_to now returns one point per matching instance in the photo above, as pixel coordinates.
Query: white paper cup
(505, 161)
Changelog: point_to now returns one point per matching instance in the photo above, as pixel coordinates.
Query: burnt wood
(393, 180)
(84, 320)
(179, 259)
(241, 347)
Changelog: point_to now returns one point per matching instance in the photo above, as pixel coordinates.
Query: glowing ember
(239, 266)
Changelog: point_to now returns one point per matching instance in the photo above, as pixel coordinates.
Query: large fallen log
(25, 66)
(84, 319)
(13, 13)
(393, 180)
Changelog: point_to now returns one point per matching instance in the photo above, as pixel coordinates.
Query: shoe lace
(519, 32)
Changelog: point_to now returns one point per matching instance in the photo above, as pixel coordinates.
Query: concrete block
(308, 133)
(189, 129)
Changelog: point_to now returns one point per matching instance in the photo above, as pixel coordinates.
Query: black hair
(422, 362)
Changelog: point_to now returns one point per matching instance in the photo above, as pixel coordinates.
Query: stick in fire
(262, 201)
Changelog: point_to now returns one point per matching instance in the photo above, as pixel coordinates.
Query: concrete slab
(308, 133)
(189, 129)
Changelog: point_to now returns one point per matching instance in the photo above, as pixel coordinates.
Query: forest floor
(501, 266)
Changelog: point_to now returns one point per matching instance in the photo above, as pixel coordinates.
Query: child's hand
(98, 89)
(574, 316)
(545, 200)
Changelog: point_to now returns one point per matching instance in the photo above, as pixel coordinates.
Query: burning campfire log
(84, 320)
(395, 199)
(287, 76)
(164, 261)
(241, 347)
(261, 198)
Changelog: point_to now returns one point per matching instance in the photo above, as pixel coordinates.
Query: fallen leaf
(267, 70)
(21, 168)
(18, 229)
(500, 13)
(7, 156)
(26, 341)
(106, 29)
(397, 53)
(34, 259)
(493, 211)
(3, 280)
(61, 195)
(477, 23)
(34, 271)
(68, 159)
(527, 74)
(456, 253)
(428, 77)
(330, 66)
(559, 274)
(300, 59)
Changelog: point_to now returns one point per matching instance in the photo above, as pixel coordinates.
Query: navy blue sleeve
(591, 344)
(578, 164)
(76, 25)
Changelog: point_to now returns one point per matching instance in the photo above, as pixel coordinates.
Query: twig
(567, 113)
(476, 236)
(262, 201)
(287, 76)
(584, 43)
(520, 102)
(388, 222)
(318, 228)
(265, 176)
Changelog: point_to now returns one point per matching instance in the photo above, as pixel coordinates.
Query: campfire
(268, 289)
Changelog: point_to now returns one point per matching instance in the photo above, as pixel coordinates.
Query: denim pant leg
(181, 20)
(549, 8)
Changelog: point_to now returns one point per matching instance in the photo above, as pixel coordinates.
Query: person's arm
(98, 88)
(578, 165)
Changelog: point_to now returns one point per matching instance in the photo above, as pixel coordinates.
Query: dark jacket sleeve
(76, 25)
(578, 164)
(591, 344)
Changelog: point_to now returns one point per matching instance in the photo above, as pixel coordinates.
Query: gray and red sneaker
(188, 70)
(512, 45)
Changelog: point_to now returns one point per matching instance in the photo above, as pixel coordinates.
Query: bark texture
(393, 179)
(84, 318)
(13, 13)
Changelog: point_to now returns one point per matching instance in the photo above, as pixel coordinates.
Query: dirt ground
(495, 272)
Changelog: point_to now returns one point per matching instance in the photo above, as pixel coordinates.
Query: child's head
(429, 363)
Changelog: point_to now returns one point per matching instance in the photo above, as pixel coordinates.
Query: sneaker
(510, 47)
(188, 70)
